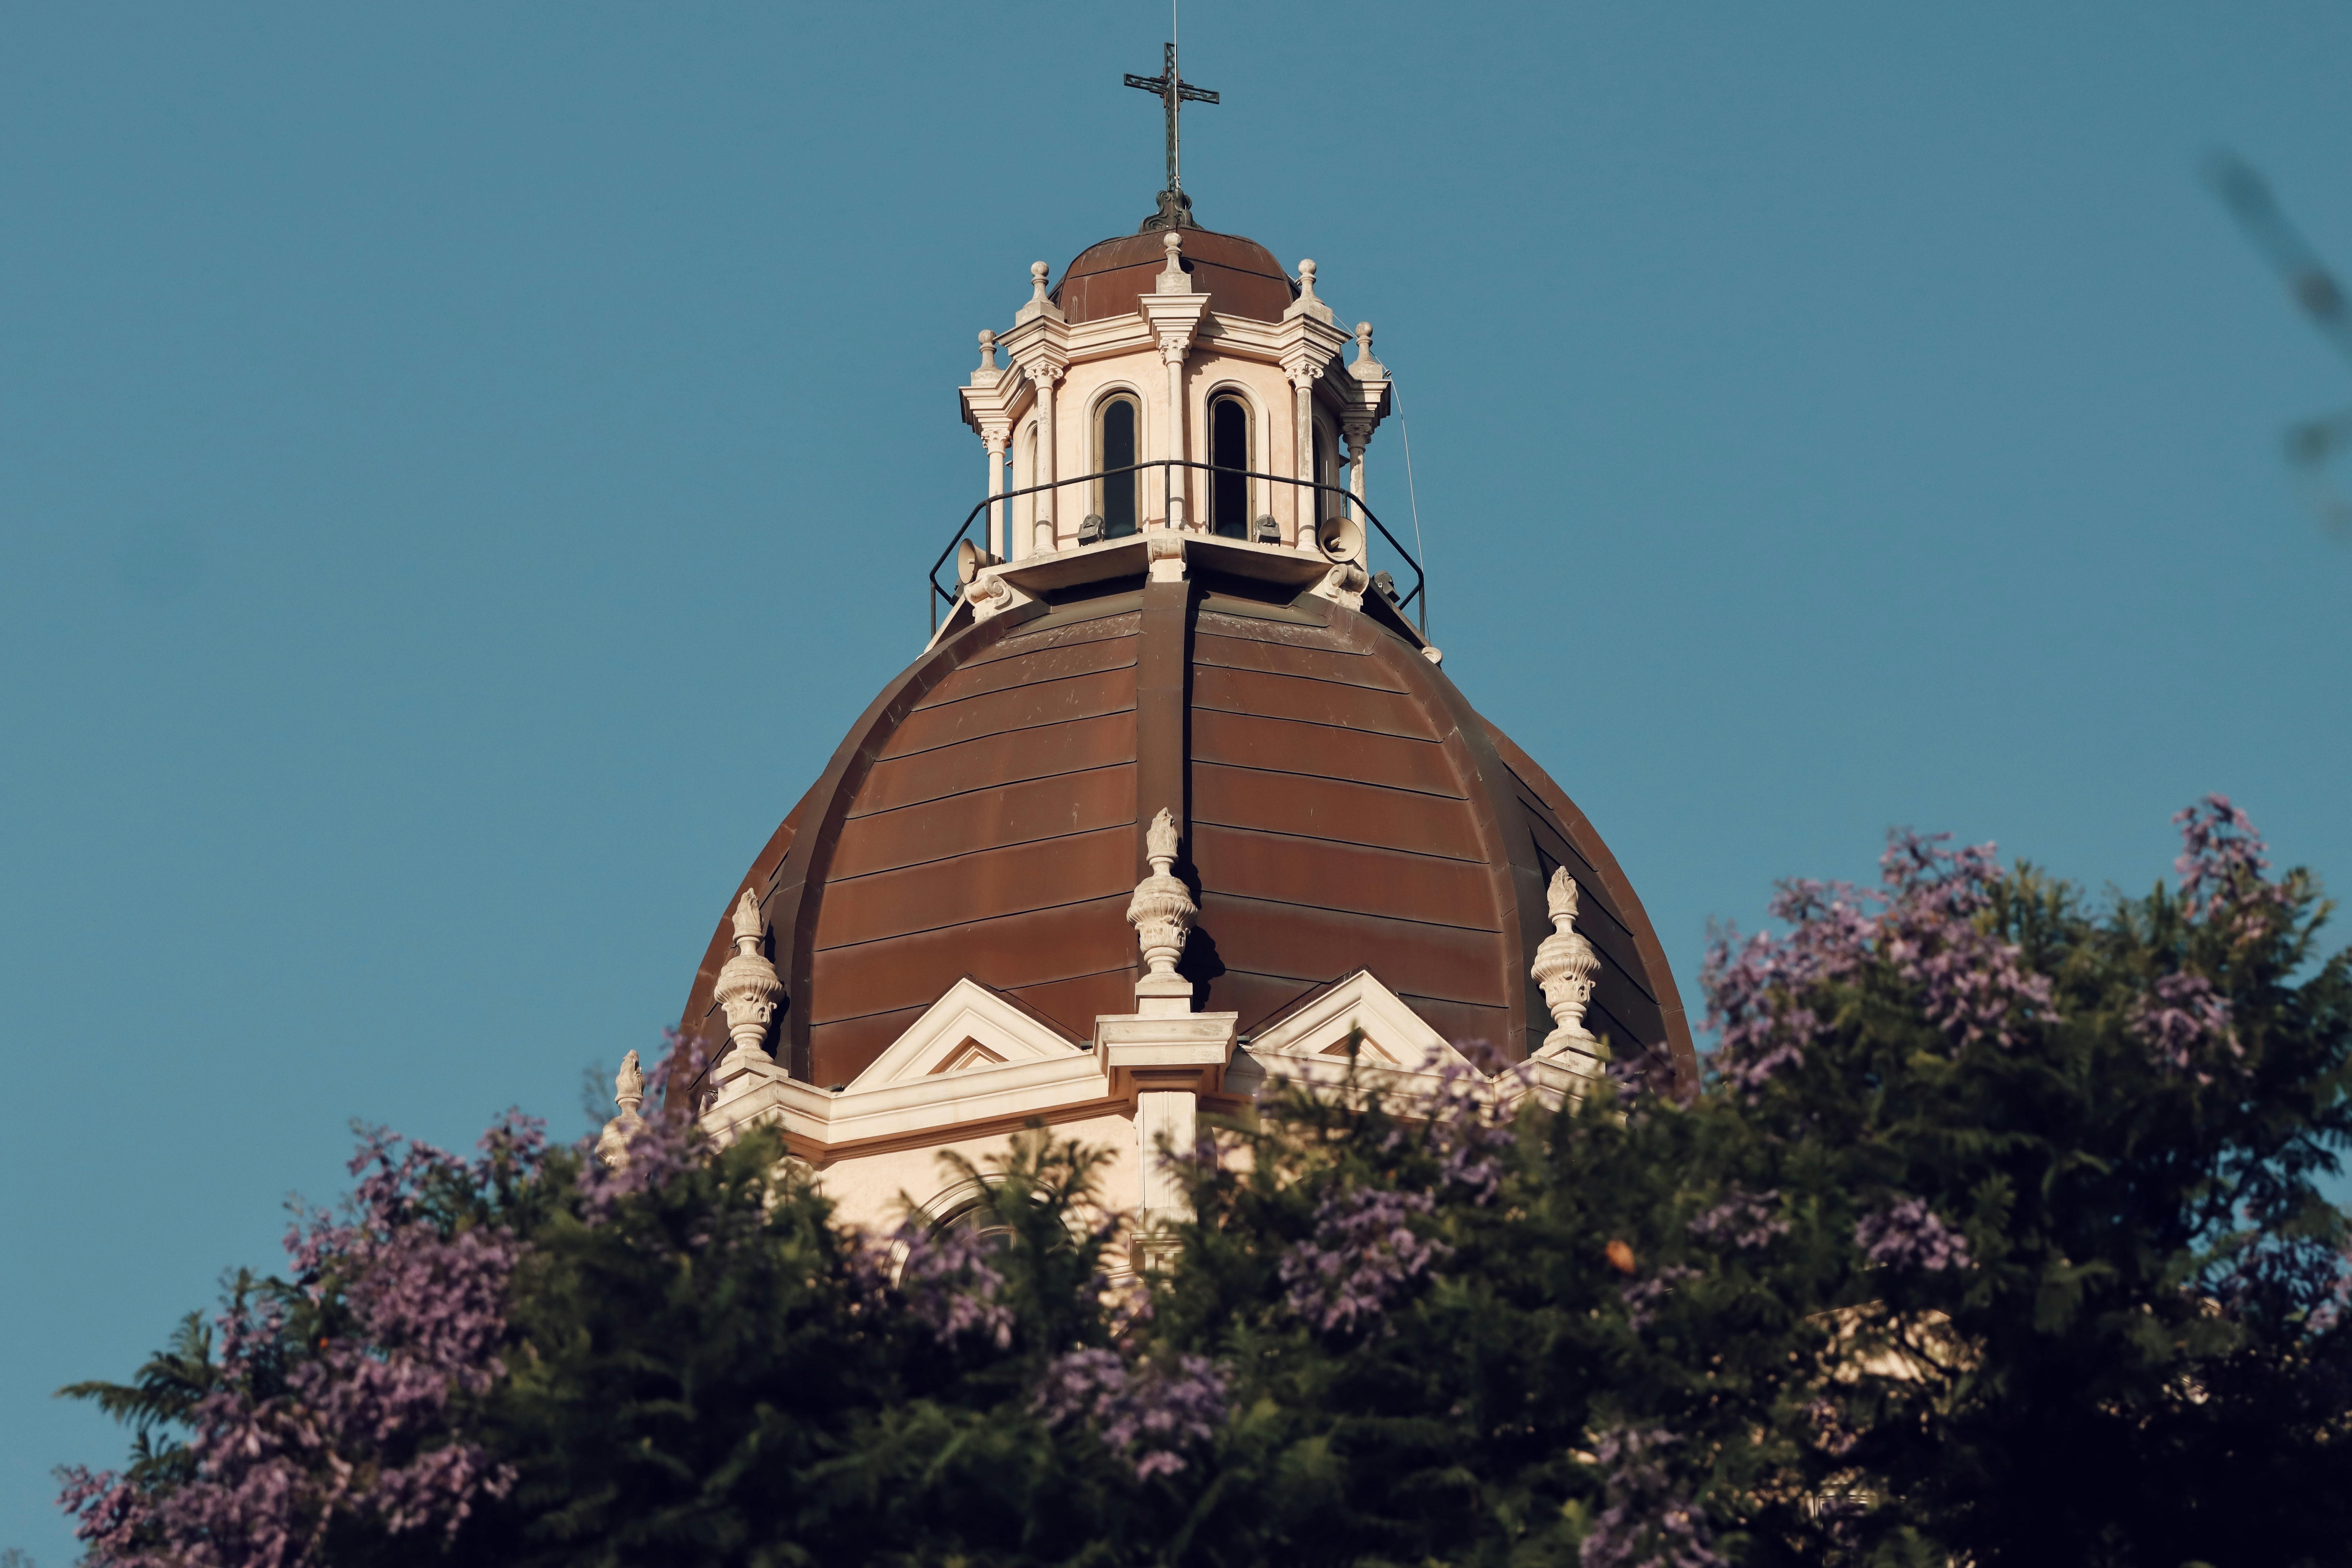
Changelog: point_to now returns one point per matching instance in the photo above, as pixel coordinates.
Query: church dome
(1240, 276)
(1342, 808)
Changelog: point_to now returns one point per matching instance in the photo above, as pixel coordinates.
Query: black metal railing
(947, 595)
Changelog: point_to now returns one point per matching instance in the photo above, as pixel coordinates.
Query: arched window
(975, 1216)
(1115, 425)
(1229, 450)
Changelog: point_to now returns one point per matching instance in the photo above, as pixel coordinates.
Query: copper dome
(1343, 807)
(1240, 276)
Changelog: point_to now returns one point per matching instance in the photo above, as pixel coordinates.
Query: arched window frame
(1099, 499)
(1326, 468)
(1252, 446)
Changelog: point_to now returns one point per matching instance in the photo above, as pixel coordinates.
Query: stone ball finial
(1037, 274)
(987, 349)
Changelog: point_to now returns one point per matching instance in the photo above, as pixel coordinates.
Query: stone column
(1043, 373)
(1302, 382)
(1169, 1114)
(1359, 437)
(1163, 1052)
(1173, 352)
(995, 437)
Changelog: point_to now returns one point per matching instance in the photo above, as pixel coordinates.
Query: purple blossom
(2222, 859)
(1629, 1077)
(1646, 1519)
(1642, 1296)
(664, 1146)
(949, 1283)
(1741, 1219)
(362, 1426)
(1908, 1235)
(1752, 985)
(1469, 1125)
(1971, 984)
(1363, 1252)
(662, 1149)
(2286, 1275)
(2185, 1023)
(1144, 1413)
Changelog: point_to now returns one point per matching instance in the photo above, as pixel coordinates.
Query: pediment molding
(1309, 1044)
(968, 1029)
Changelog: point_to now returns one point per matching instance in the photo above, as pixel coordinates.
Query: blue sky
(463, 467)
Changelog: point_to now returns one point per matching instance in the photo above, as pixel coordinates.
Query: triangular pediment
(967, 1057)
(969, 1029)
(1393, 1034)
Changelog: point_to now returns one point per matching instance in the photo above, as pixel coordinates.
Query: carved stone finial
(628, 1093)
(1172, 278)
(1567, 966)
(1040, 304)
(988, 351)
(1364, 367)
(1306, 304)
(748, 987)
(1163, 912)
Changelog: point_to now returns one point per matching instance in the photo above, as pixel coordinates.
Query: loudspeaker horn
(969, 559)
(1340, 538)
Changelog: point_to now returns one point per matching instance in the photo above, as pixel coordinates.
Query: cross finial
(1172, 89)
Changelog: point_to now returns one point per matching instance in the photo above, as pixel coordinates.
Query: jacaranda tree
(1996, 1235)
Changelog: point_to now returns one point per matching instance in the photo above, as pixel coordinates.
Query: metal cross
(1174, 90)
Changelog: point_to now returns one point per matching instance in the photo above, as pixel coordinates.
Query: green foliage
(1996, 1237)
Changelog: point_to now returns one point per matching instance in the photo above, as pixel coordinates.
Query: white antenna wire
(1414, 495)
